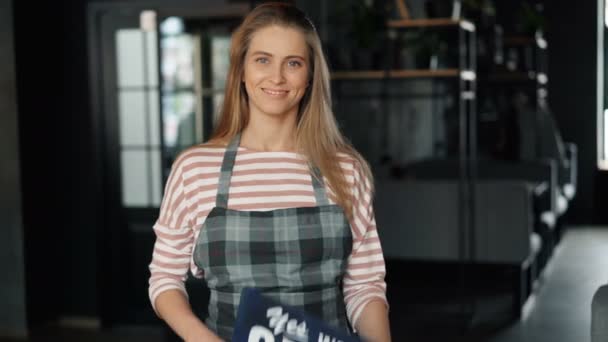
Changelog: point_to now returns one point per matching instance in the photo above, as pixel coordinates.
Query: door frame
(110, 239)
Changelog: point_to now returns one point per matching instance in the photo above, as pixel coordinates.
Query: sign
(260, 319)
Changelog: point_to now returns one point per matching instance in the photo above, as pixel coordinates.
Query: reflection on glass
(172, 26)
(177, 65)
(178, 116)
(220, 50)
(194, 64)
(178, 91)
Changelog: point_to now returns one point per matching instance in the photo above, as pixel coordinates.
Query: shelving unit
(466, 77)
(525, 72)
(462, 78)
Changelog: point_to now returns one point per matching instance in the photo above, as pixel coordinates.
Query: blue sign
(260, 319)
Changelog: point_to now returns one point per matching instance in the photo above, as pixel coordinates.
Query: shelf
(436, 22)
(423, 73)
(367, 74)
(519, 40)
(405, 73)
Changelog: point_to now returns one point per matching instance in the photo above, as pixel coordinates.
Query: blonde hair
(317, 133)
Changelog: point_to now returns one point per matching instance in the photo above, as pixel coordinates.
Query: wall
(55, 129)
(572, 95)
(12, 283)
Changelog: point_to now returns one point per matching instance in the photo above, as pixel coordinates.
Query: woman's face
(276, 71)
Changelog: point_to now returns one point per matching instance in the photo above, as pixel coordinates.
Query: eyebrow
(270, 55)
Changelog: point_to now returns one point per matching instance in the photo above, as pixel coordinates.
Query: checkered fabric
(296, 256)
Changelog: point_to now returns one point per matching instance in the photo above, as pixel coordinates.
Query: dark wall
(572, 95)
(12, 283)
(85, 200)
(55, 129)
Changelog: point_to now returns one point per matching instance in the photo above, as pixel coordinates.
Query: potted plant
(531, 19)
(367, 27)
(423, 50)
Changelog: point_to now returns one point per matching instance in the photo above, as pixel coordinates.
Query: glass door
(157, 80)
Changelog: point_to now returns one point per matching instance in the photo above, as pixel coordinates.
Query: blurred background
(483, 120)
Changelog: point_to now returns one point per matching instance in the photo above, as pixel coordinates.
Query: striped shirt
(260, 181)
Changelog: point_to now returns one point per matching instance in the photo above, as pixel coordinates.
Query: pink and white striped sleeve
(174, 240)
(365, 271)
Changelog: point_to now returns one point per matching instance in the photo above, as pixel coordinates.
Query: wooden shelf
(519, 40)
(423, 73)
(405, 73)
(436, 22)
(363, 74)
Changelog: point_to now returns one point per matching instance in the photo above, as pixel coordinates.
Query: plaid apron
(296, 256)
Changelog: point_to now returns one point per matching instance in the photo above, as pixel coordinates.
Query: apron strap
(319, 187)
(223, 186)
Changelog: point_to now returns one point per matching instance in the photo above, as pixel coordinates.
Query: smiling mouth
(275, 92)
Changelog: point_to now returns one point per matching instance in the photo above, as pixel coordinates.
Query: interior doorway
(157, 76)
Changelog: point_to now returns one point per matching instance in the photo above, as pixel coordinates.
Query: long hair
(317, 133)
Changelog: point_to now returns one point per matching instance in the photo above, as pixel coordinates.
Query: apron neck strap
(223, 186)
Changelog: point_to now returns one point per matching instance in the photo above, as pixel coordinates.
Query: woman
(276, 200)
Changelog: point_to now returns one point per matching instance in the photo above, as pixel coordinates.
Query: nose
(277, 76)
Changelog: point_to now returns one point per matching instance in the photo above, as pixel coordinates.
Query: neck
(268, 133)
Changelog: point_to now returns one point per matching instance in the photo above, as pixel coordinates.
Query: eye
(294, 64)
(262, 60)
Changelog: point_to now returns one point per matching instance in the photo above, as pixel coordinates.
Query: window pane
(155, 173)
(135, 178)
(132, 118)
(152, 58)
(154, 117)
(129, 51)
(177, 65)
